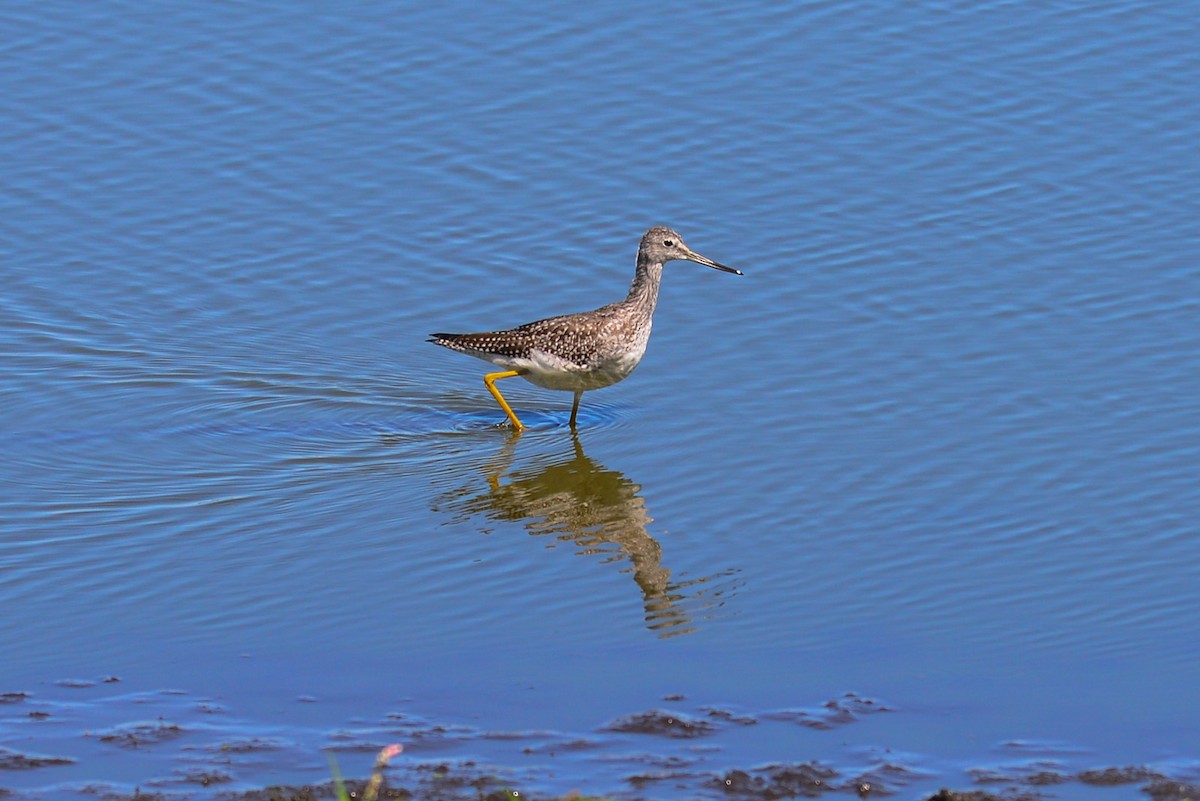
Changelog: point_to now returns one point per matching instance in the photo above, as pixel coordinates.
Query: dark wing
(575, 337)
(514, 344)
(578, 338)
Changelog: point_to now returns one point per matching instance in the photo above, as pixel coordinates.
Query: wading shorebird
(585, 351)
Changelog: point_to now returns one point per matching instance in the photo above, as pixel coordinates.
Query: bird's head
(661, 245)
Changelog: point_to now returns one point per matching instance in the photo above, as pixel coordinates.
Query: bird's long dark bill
(696, 257)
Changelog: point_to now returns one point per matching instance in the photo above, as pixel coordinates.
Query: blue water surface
(938, 446)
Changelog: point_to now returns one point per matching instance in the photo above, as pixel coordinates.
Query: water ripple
(948, 410)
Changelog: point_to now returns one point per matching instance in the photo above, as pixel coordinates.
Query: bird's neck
(644, 290)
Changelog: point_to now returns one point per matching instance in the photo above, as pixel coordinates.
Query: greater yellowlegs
(589, 350)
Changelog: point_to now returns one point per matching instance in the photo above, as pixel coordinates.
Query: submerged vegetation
(371, 791)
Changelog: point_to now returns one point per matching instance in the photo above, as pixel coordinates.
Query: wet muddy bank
(765, 784)
(95, 740)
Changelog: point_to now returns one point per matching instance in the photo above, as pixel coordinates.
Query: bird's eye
(669, 243)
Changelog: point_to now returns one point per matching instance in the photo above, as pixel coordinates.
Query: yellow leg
(490, 381)
(575, 407)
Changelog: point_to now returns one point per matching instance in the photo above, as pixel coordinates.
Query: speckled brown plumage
(588, 350)
(581, 339)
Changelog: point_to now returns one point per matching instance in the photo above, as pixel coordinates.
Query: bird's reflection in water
(577, 500)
